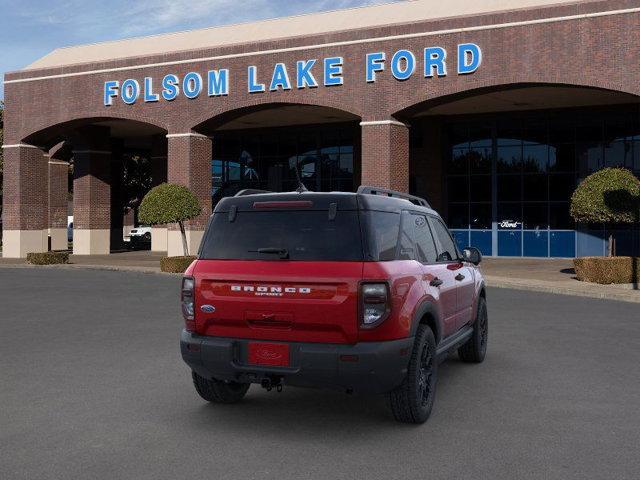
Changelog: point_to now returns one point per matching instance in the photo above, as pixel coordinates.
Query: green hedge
(175, 264)
(607, 270)
(48, 258)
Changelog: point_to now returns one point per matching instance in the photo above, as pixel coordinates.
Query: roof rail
(250, 191)
(366, 189)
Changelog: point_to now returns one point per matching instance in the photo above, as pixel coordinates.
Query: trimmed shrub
(48, 258)
(607, 270)
(175, 264)
(170, 203)
(611, 195)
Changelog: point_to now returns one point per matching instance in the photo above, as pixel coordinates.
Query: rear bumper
(380, 366)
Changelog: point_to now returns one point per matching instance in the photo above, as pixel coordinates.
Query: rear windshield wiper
(283, 253)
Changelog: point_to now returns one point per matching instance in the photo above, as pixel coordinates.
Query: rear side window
(407, 238)
(305, 235)
(424, 240)
(382, 234)
(447, 251)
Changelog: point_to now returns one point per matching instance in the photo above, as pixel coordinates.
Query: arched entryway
(500, 164)
(268, 147)
(89, 171)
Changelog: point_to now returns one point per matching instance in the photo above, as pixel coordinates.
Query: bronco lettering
(275, 290)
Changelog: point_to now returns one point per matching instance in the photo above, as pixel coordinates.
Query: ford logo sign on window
(509, 224)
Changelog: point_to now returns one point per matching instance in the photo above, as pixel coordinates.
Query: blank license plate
(271, 354)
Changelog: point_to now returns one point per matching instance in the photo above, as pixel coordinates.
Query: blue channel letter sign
(306, 73)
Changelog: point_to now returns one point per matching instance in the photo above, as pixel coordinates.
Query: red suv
(361, 292)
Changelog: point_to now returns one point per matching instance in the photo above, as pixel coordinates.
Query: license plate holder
(268, 354)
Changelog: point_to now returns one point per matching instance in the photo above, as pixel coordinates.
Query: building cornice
(477, 28)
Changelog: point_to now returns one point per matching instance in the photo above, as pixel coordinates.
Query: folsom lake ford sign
(309, 73)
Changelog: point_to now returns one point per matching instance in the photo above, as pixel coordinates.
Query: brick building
(492, 109)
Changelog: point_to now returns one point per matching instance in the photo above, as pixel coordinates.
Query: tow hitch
(269, 383)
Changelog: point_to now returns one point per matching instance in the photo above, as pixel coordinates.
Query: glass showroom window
(509, 177)
(267, 159)
(469, 185)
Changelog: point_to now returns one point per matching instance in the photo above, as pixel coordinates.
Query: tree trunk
(185, 247)
(635, 254)
(610, 248)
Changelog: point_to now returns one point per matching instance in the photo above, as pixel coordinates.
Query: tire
(147, 237)
(217, 391)
(412, 401)
(475, 349)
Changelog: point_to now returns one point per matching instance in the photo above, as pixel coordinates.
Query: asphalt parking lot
(92, 386)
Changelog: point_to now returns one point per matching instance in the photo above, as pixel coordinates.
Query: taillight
(375, 303)
(188, 304)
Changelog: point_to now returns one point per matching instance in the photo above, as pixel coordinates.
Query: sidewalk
(550, 275)
(137, 261)
(539, 275)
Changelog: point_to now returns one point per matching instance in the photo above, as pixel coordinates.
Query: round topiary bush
(611, 195)
(170, 203)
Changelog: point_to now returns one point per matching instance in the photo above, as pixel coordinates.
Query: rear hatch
(284, 270)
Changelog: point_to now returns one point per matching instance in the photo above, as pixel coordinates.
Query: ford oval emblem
(208, 308)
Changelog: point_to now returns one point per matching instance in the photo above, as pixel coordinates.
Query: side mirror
(472, 255)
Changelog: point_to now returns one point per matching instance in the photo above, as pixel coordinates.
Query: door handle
(436, 282)
(459, 277)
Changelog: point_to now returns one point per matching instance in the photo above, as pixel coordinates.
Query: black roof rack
(393, 193)
(250, 191)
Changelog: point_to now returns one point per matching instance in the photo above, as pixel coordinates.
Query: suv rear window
(383, 229)
(305, 235)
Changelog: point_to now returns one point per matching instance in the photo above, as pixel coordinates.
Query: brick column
(117, 208)
(58, 191)
(426, 165)
(159, 175)
(158, 160)
(385, 154)
(189, 164)
(59, 157)
(24, 202)
(92, 192)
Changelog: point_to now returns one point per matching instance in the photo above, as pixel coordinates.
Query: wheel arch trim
(430, 309)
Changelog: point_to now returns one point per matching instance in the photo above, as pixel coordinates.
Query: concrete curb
(604, 292)
(74, 266)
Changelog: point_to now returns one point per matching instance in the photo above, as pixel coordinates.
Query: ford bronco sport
(362, 292)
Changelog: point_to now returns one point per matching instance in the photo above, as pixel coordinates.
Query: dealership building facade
(493, 110)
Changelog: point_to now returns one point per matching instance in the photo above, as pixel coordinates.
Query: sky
(29, 29)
